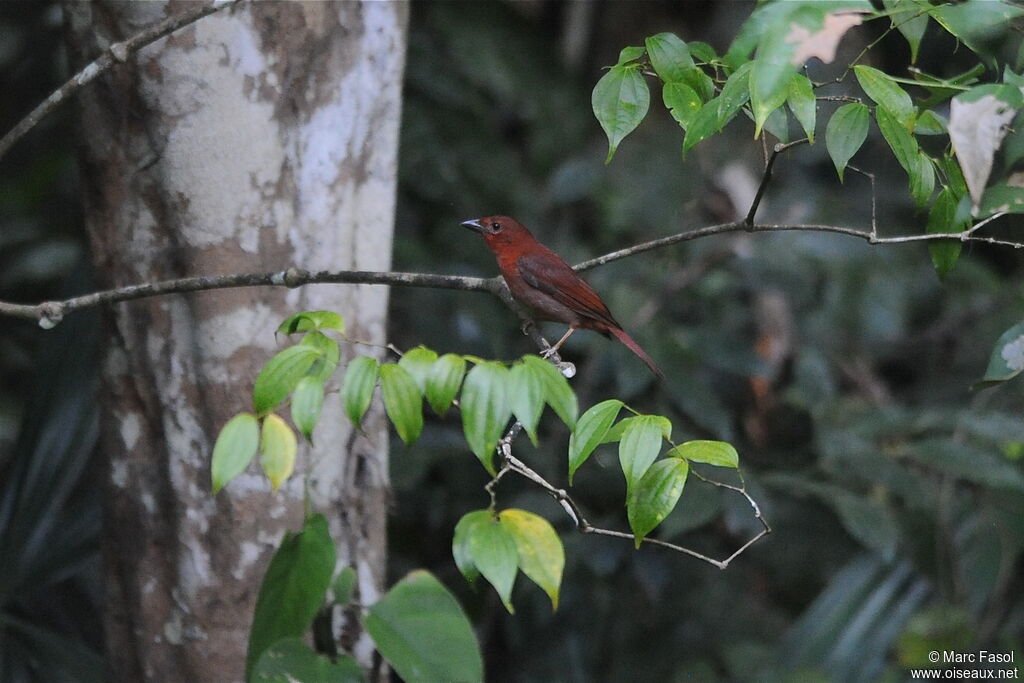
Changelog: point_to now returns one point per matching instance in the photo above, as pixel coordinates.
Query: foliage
(766, 83)
(867, 337)
(488, 543)
(417, 626)
(895, 493)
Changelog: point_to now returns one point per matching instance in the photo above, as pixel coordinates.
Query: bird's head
(499, 231)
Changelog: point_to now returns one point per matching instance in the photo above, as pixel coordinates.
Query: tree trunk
(255, 139)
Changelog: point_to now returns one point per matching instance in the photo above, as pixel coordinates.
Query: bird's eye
(495, 227)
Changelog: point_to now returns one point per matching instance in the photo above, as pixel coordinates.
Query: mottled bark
(258, 138)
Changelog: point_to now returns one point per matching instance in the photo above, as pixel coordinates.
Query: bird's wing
(557, 279)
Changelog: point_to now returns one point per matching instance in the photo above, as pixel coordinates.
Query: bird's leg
(552, 350)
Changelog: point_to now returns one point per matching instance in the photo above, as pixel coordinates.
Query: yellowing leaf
(277, 450)
(541, 555)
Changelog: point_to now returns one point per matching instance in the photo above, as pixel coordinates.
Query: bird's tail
(621, 335)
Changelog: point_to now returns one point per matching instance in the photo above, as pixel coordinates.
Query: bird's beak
(473, 225)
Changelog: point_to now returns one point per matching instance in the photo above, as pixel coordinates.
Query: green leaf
(717, 453)
(954, 176)
(293, 588)
(886, 93)
(279, 376)
(930, 123)
(792, 33)
(640, 445)
(1001, 198)
(557, 392)
(493, 551)
(629, 54)
(655, 495)
(900, 140)
(527, 390)
(620, 101)
(735, 93)
(976, 22)
(486, 409)
(909, 20)
(307, 401)
(541, 555)
(590, 430)
(701, 83)
(1013, 145)
(702, 126)
(682, 101)
(777, 124)
(614, 435)
(845, 133)
(770, 78)
(330, 353)
(702, 51)
(802, 103)
(941, 219)
(344, 586)
(235, 448)
(419, 362)
(1007, 359)
(669, 56)
(422, 632)
(922, 180)
(444, 381)
(402, 401)
(464, 530)
(289, 660)
(312, 320)
(277, 450)
(750, 33)
(357, 387)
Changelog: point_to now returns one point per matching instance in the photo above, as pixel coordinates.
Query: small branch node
(119, 51)
(50, 314)
(295, 277)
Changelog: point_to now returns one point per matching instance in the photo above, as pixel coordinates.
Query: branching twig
(874, 213)
(115, 54)
(510, 463)
(572, 509)
(767, 176)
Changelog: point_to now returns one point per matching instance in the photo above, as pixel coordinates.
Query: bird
(543, 282)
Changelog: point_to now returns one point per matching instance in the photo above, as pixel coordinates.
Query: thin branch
(980, 224)
(767, 176)
(572, 509)
(874, 207)
(117, 53)
(49, 313)
(837, 98)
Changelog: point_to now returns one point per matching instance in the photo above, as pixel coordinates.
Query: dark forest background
(841, 371)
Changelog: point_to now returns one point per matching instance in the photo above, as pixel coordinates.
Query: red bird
(540, 280)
